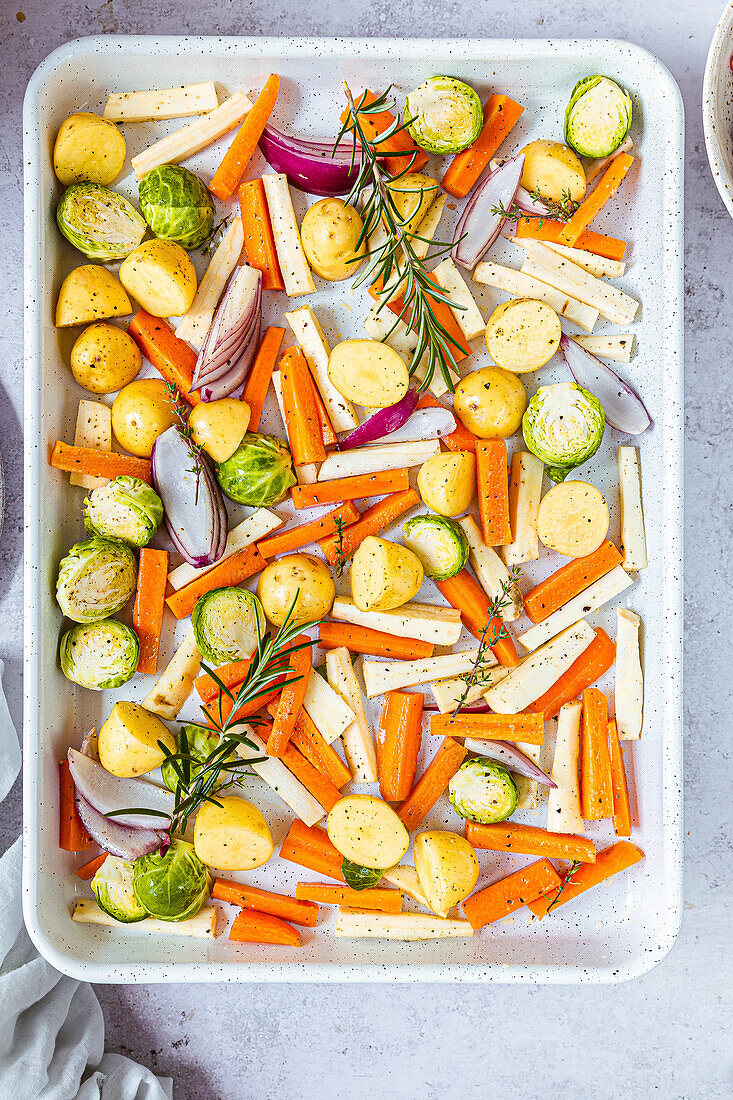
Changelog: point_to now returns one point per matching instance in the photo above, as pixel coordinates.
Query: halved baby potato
(128, 740)
(367, 831)
(384, 575)
(446, 866)
(553, 171)
(522, 335)
(413, 195)
(161, 276)
(573, 519)
(90, 293)
(369, 373)
(88, 147)
(219, 426)
(233, 836)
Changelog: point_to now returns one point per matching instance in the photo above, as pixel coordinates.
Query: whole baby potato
(88, 147)
(90, 293)
(128, 741)
(105, 358)
(329, 233)
(140, 413)
(490, 402)
(219, 426)
(161, 275)
(384, 575)
(233, 836)
(369, 373)
(553, 171)
(447, 482)
(296, 573)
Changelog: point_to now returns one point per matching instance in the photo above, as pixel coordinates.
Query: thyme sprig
(481, 665)
(561, 211)
(575, 865)
(213, 240)
(183, 428)
(339, 523)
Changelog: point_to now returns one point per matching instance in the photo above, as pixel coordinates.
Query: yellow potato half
(140, 413)
(161, 276)
(490, 402)
(90, 293)
(447, 482)
(522, 335)
(88, 147)
(413, 195)
(554, 171)
(329, 232)
(367, 831)
(446, 866)
(128, 741)
(573, 519)
(105, 358)
(219, 426)
(369, 373)
(384, 575)
(296, 573)
(233, 836)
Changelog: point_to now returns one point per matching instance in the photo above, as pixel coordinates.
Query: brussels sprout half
(259, 473)
(176, 205)
(126, 509)
(598, 116)
(100, 223)
(439, 543)
(112, 887)
(564, 426)
(483, 791)
(358, 877)
(99, 655)
(96, 578)
(195, 741)
(173, 886)
(227, 623)
(444, 115)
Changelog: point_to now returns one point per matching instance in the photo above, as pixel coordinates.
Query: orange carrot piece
(310, 741)
(398, 743)
(230, 571)
(589, 667)
(596, 791)
(328, 435)
(492, 727)
(375, 643)
(264, 901)
(259, 241)
(147, 612)
(465, 594)
(500, 114)
(511, 893)
(401, 142)
(174, 359)
(528, 840)
(460, 439)
(458, 345)
(377, 898)
(88, 870)
(73, 836)
(492, 476)
(311, 847)
(569, 581)
(227, 176)
(609, 862)
(604, 190)
(302, 421)
(292, 538)
(610, 247)
(260, 375)
(432, 783)
(621, 803)
(350, 488)
(291, 697)
(319, 785)
(88, 460)
(374, 520)
(251, 927)
(232, 675)
(217, 714)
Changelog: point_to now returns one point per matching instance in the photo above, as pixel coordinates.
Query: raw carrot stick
(232, 675)
(374, 520)
(232, 570)
(350, 488)
(319, 785)
(259, 241)
(493, 727)
(401, 142)
(604, 190)
(610, 247)
(511, 893)
(377, 898)
(172, 357)
(609, 862)
(592, 663)
(292, 538)
(621, 804)
(328, 435)
(89, 870)
(264, 901)
(460, 439)
(596, 791)
(302, 421)
(458, 345)
(465, 594)
(492, 475)
(375, 643)
(260, 375)
(147, 612)
(500, 114)
(73, 836)
(432, 783)
(310, 847)
(527, 840)
(398, 743)
(310, 741)
(227, 176)
(252, 927)
(246, 710)
(569, 581)
(88, 460)
(291, 697)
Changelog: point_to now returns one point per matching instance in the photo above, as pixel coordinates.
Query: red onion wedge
(195, 514)
(230, 345)
(119, 840)
(524, 201)
(430, 423)
(479, 227)
(106, 792)
(311, 166)
(623, 407)
(382, 423)
(513, 759)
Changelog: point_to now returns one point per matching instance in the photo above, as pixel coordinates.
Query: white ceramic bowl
(717, 107)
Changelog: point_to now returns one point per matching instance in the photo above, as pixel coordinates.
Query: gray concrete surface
(662, 1036)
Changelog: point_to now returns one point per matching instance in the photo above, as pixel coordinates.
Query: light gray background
(663, 1035)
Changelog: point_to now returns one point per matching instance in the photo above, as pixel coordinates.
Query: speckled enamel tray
(717, 107)
(615, 932)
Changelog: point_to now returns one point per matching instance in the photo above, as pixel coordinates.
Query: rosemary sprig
(213, 240)
(478, 673)
(573, 868)
(183, 428)
(561, 211)
(339, 523)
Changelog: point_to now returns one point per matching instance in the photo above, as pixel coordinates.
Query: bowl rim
(710, 90)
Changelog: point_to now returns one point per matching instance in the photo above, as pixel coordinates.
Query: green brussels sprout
(259, 473)
(126, 509)
(112, 887)
(99, 655)
(173, 886)
(176, 205)
(439, 543)
(444, 115)
(227, 623)
(563, 425)
(196, 741)
(483, 791)
(598, 116)
(100, 223)
(96, 578)
(358, 877)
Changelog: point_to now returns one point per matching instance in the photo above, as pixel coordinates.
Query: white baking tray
(617, 931)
